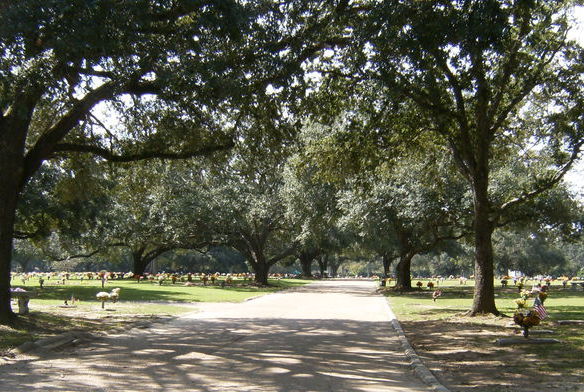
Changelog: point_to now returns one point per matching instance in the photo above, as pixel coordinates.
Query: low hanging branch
(78, 256)
(88, 254)
(143, 155)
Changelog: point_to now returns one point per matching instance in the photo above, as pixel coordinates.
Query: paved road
(327, 336)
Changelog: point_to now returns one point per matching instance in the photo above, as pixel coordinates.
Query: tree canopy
(420, 119)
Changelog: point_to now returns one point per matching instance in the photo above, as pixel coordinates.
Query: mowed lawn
(456, 347)
(53, 292)
(562, 303)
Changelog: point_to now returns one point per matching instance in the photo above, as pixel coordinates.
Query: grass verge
(462, 353)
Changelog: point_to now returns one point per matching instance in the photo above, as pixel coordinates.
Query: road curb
(415, 362)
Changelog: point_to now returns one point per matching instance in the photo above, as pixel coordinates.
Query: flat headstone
(532, 331)
(541, 331)
(564, 322)
(522, 340)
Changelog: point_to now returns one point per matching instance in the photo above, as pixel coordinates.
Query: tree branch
(288, 252)
(45, 145)
(112, 157)
(544, 186)
(23, 235)
(79, 256)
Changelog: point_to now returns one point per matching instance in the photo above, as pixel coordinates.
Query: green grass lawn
(563, 303)
(55, 293)
(418, 313)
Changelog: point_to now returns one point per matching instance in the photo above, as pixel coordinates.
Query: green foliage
(529, 253)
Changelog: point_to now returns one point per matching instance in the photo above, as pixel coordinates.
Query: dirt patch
(463, 354)
(37, 325)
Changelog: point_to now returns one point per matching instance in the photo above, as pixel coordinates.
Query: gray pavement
(327, 336)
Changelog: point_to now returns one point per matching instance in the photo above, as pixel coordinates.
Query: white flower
(102, 296)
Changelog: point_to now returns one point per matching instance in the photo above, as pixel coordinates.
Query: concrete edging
(415, 362)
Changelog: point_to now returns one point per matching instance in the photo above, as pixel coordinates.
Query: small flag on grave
(539, 308)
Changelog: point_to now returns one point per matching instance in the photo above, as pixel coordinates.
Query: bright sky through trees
(575, 177)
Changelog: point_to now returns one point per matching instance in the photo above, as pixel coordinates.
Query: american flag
(539, 308)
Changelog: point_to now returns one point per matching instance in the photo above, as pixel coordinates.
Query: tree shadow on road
(226, 355)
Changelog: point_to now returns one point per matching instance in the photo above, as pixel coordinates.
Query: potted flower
(526, 321)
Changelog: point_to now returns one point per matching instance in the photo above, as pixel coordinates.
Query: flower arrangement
(115, 295)
(533, 316)
(102, 296)
(526, 321)
(520, 302)
(525, 294)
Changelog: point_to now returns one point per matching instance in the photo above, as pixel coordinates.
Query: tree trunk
(386, 264)
(6, 229)
(484, 294)
(306, 264)
(23, 261)
(139, 263)
(140, 267)
(403, 274)
(11, 169)
(256, 259)
(334, 265)
(261, 269)
(323, 265)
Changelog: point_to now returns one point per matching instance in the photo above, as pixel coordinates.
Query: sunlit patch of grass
(132, 290)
